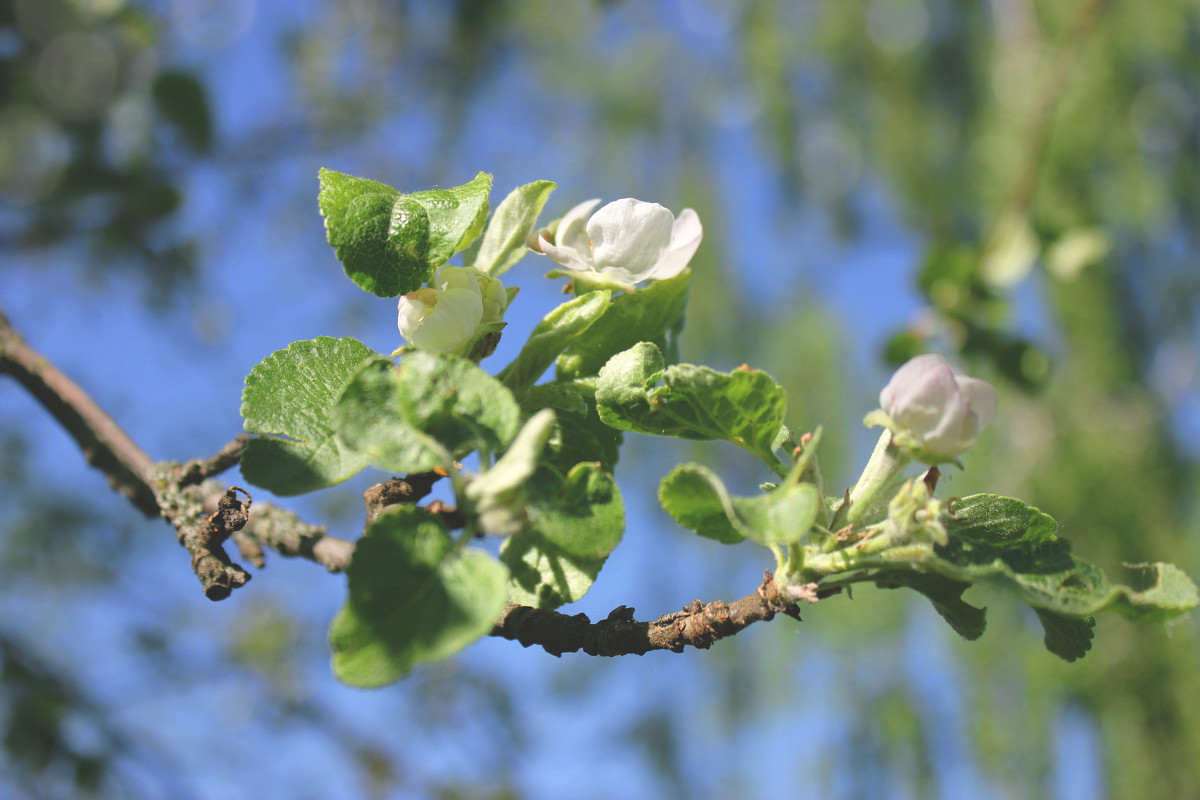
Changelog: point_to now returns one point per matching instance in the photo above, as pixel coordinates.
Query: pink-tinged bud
(934, 411)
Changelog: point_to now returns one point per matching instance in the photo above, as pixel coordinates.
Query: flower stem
(878, 478)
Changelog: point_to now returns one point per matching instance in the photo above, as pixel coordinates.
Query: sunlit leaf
(574, 523)
(429, 410)
(289, 399)
(637, 392)
(503, 243)
(551, 336)
(697, 498)
(390, 243)
(416, 596)
(653, 314)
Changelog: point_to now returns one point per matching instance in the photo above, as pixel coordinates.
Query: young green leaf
(637, 392)
(1158, 592)
(429, 410)
(381, 238)
(456, 215)
(579, 434)
(653, 314)
(416, 596)
(497, 495)
(390, 243)
(697, 498)
(503, 243)
(560, 396)
(550, 336)
(1001, 521)
(1011, 547)
(1069, 638)
(289, 399)
(967, 620)
(574, 523)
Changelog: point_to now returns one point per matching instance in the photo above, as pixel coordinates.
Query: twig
(176, 492)
(699, 625)
(285, 533)
(411, 489)
(104, 444)
(201, 469)
(217, 573)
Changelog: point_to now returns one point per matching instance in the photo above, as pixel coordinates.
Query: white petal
(410, 313)
(631, 235)
(685, 238)
(452, 321)
(457, 278)
(918, 392)
(618, 275)
(981, 396)
(954, 431)
(566, 256)
(572, 228)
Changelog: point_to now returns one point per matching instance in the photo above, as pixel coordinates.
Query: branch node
(411, 490)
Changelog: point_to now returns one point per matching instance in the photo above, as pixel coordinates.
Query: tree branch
(201, 469)
(286, 534)
(104, 444)
(203, 513)
(698, 625)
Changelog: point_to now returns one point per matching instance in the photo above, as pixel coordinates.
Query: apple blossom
(934, 411)
(625, 242)
(447, 318)
(931, 415)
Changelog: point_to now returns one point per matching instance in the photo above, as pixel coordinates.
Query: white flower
(625, 242)
(446, 318)
(935, 412)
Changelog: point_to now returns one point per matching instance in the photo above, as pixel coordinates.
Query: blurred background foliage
(1014, 183)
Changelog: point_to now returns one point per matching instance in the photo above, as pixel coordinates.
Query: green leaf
(574, 523)
(1159, 592)
(1069, 638)
(635, 392)
(497, 494)
(416, 596)
(647, 315)
(967, 620)
(428, 410)
(988, 546)
(697, 498)
(289, 397)
(381, 238)
(182, 101)
(456, 215)
(561, 396)
(550, 336)
(503, 243)
(580, 435)
(389, 243)
(1001, 521)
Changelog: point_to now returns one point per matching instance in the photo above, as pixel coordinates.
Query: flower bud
(932, 411)
(448, 317)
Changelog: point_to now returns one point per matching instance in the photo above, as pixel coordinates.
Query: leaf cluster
(547, 430)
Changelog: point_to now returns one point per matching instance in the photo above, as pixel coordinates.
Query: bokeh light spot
(77, 73)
